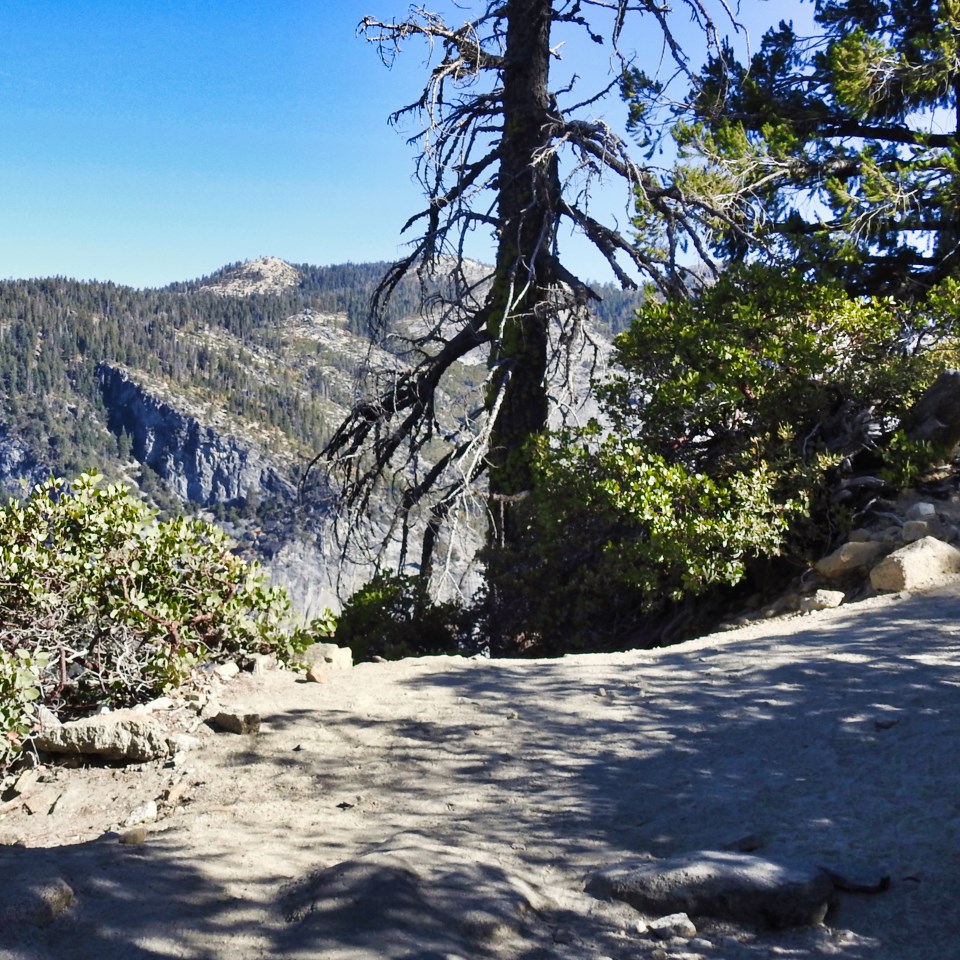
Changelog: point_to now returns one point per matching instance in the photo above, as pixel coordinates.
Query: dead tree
(502, 152)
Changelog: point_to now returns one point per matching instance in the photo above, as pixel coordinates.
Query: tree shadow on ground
(826, 743)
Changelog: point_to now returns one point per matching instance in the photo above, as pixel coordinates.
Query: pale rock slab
(729, 886)
(918, 564)
(672, 925)
(124, 735)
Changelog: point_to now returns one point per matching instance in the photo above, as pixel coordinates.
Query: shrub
(393, 616)
(724, 431)
(19, 689)
(101, 604)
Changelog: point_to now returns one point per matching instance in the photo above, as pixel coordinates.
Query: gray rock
(849, 559)
(935, 417)
(264, 663)
(182, 742)
(124, 735)
(919, 564)
(915, 530)
(921, 511)
(234, 722)
(415, 899)
(46, 718)
(739, 887)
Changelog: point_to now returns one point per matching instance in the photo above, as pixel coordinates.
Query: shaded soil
(449, 807)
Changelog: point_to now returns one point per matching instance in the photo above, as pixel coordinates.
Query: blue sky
(146, 142)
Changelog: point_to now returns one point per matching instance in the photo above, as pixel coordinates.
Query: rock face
(20, 470)
(935, 418)
(201, 464)
(728, 886)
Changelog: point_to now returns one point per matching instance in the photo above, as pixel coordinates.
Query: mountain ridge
(253, 364)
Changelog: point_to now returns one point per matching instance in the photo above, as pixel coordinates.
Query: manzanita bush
(101, 603)
(724, 430)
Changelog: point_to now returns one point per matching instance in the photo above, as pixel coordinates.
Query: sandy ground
(446, 807)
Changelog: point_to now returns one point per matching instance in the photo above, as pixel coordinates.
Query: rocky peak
(264, 275)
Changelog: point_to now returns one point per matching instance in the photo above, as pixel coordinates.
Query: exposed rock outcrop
(201, 464)
(20, 470)
(935, 418)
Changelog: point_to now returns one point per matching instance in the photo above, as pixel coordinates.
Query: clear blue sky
(148, 141)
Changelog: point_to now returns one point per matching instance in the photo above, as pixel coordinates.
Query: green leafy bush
(624, 533)
(102, 604)
(393, 616)
(725, 429)
(19, 689)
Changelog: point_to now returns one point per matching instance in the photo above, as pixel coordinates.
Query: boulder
(915, 530)
(922, 510)
(126, 736)
(851, 558)
(233, 721)
(822, 600)
(673, 925)
(739, 887)
(919, 564)
(409, 898)
(329, 655)
(35, 902)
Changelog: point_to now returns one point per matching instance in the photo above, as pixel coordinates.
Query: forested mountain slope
(210, 394)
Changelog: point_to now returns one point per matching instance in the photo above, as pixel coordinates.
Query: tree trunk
(528, 199)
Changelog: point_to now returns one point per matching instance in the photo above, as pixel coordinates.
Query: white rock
(161, 703)
(226, 671)
(920, 564)
(673, 925)
(145, 813)
(336, 658)
(822, 600)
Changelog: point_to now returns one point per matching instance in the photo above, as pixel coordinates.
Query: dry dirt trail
(465, 801)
